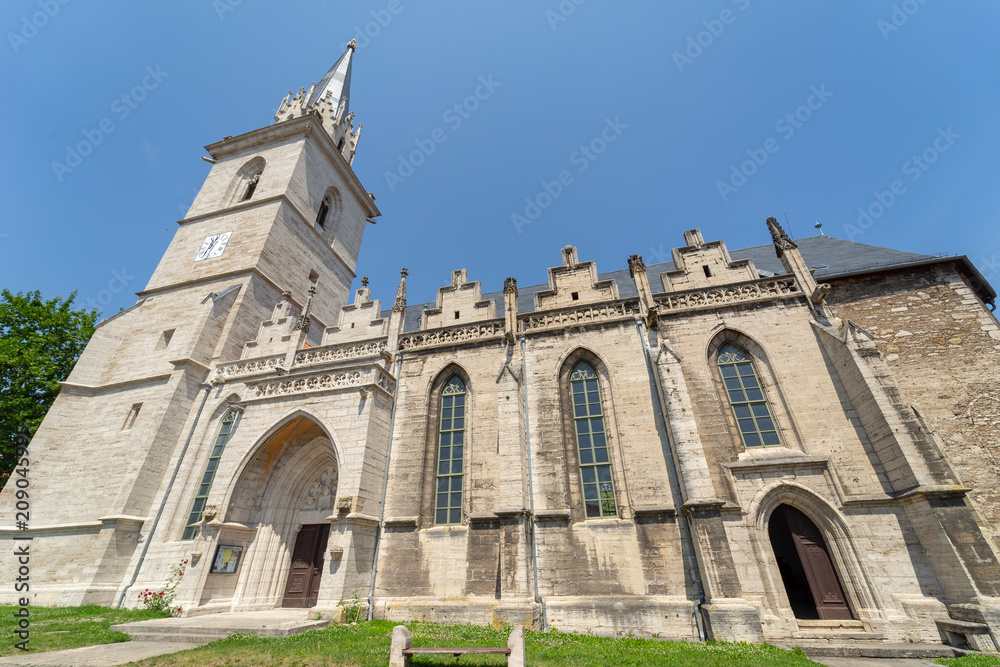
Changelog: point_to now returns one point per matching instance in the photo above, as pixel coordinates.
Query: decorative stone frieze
(574, 317)
(315, 382)
(335, 353)
(249, 367)
(452, 335)
(760, 290)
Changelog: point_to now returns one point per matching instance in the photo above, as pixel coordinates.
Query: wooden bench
(402, 648)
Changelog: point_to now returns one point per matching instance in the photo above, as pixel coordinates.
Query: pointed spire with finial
(399, 304)
(303, 323)
(781, 240)
(330, 101)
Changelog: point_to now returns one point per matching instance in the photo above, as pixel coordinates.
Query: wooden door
(823, 582)
(306, 570)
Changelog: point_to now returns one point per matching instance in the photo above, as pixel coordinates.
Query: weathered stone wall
(943, 345)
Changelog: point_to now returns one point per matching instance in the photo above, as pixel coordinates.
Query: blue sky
(712, 115)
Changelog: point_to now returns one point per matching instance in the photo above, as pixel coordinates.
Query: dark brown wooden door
(823, 582)
(302, 589)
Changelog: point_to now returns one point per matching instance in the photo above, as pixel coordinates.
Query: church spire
(337, 81)
(330, 101)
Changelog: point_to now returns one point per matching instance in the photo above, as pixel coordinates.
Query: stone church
(793, 440)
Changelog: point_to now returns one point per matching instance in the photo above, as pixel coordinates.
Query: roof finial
(364, 281)
(352, 45)
(400, 303)
(780, 238)
(303, 322)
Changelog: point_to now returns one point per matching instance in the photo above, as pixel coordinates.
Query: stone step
(872, 650)
(180, 637)
(838, 635)
(199, 631)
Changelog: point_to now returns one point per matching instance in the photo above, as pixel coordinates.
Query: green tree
(39, 343)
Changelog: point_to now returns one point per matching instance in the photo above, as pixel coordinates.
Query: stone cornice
(89, 389)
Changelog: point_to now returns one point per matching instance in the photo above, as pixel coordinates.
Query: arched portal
(811, 582)
(286, 494)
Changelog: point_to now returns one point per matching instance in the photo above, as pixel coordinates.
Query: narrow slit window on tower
(708, 271)
(251, 186)
(313, 277)
(226, 429)
(451, 454)
(746, 396)
(457, 314)
(575, 296)
(324, 209)
(592, 444)
(132, 415)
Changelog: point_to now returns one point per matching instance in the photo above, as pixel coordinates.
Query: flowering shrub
(161, 600)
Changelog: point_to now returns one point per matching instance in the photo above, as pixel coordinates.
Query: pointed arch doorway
(811, 582)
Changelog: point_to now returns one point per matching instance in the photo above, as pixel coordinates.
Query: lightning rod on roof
(819, 226)
(789, 225)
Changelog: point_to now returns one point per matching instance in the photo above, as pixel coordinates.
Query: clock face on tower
(213, 246)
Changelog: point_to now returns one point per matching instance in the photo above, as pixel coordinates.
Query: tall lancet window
(226, 430)
(592, 443)
(451, 452)
(746, 396)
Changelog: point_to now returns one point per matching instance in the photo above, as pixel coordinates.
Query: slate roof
(829, 256)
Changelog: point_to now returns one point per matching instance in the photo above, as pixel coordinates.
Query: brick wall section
(943, 345)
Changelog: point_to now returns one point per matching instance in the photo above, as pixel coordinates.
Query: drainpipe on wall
(163, 503)
(675, 489)
(531, 488)
(385, 488)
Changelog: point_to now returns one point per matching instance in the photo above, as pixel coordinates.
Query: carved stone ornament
(780, 238)
(510, 286)
(635, 264)
(322, 492)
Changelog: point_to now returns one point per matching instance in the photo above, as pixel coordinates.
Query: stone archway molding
(847, 556)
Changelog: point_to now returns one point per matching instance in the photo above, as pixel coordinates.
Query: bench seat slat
(457, 650)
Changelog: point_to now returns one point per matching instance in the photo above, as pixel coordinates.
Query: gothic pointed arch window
(226, 430)
(451, 453)
(592, 443)
(745, 394)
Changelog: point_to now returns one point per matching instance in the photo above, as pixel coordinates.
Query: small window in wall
(226, 430)
(592, 444)
(746, 396)
(458, 314)
(708, 271)
(313, 277)
(451, 454)
(133, 414)
(164, 340)
(575, 296)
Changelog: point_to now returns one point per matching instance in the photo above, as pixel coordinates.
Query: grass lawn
(970, 661)
(367, 644)
(55, 628)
